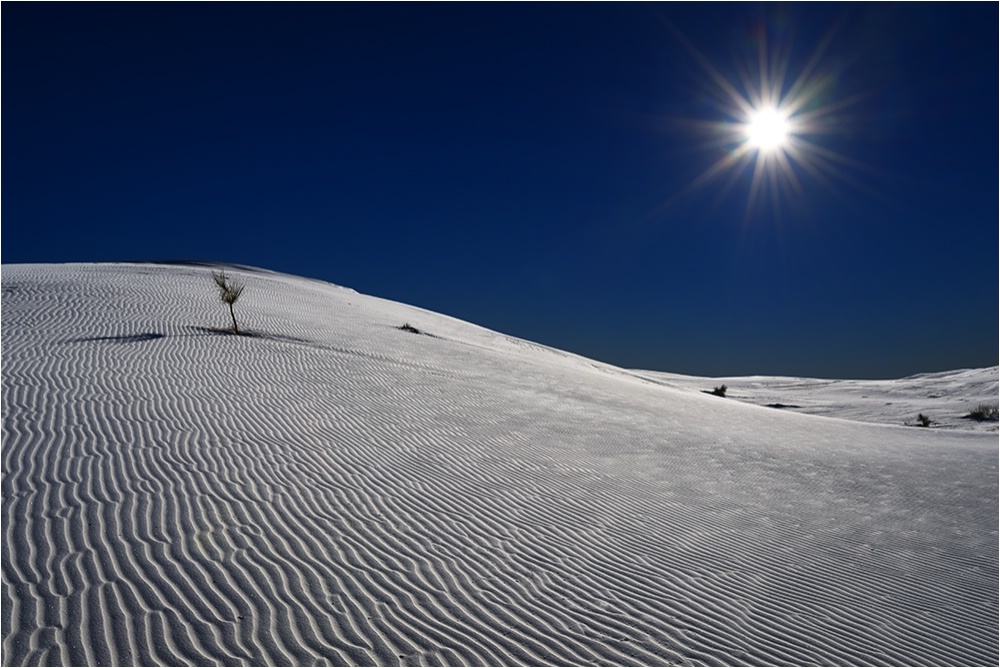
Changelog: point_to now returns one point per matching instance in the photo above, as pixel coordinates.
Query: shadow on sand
(122, 338)
(214, 331)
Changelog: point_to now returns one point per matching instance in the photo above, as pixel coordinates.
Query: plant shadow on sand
(248, 334)
(122, 338)
(214, 331)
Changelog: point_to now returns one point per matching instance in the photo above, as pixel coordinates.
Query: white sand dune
(333, 490)
(947, 398)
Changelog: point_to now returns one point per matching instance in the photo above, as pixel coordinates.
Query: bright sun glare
(767, 130)
(770, 123)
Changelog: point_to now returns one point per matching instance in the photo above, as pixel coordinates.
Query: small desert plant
(720, 391)
(407, 327)
(229, 292)
(923, 420)
(984, 412)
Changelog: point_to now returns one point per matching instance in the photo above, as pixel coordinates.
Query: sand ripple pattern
(334, 491)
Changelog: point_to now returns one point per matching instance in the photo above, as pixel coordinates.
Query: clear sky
(574, 174)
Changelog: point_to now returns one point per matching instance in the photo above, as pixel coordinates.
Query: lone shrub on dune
(229, 292)
(720, 391)
(923, 420)
(984, 412)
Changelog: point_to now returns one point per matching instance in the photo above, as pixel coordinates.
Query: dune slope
(946, 398)
(332, 489)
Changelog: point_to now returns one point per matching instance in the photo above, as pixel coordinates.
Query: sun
(766, 127)
(767, 130)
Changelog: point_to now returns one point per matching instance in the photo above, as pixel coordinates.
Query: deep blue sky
(528, 168)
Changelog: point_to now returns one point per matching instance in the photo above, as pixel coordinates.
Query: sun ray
(758, 178)
(721, 81)
(785, 159)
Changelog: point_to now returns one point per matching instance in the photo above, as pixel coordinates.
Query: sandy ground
(947, 398)
(333, 490)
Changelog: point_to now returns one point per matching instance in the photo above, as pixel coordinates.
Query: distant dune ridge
(334, 490)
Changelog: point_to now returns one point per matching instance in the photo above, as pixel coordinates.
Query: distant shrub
(229, 293)
(923, 420)
(984, 412)
(720, 391)
(407, 327)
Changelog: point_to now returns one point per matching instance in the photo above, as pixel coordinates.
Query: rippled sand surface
(333, 490)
